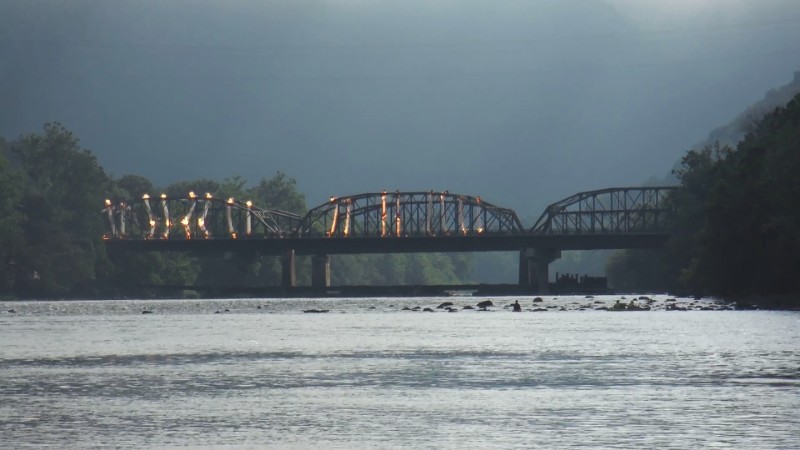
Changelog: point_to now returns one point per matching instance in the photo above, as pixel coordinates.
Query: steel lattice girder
(609, 211)
(614, 210)
(194, 218)
(396, 214)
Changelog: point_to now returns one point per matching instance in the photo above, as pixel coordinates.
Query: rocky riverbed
(612, 303)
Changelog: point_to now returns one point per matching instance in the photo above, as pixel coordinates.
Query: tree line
(51, 232)
(737, 220)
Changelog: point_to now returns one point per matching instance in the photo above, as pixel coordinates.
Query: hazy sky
(521, 102)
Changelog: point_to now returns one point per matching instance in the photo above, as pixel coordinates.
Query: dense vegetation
(51, 228)
(738, 220)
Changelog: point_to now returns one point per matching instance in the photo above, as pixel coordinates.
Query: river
(368, 374)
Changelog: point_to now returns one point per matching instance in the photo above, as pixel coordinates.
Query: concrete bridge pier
(321, 271)
(288, 269)
(534, 272)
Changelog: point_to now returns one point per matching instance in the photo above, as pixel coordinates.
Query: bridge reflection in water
(393, 222)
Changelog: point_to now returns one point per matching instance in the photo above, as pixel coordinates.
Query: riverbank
(781, 302)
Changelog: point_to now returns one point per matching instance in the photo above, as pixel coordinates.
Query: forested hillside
(738, 219)
(731, 133)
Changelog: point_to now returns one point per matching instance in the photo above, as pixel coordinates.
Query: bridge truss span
(633, 217)
(404, 214)
(194, 217)
(628, 210)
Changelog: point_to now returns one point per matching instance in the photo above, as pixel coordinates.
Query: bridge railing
(194, 217)
(399, 214)
(614, 210)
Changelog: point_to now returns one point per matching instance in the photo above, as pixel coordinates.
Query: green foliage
(181, 189)
(232, 187)
(139, 274)
(134, 186)
(750, 241)
(738, 217)
(62, 185)
(11, 222)
(279, 192)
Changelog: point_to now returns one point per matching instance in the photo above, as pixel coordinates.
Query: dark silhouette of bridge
(393, 222)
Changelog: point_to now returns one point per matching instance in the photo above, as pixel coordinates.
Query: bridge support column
(534, 268)
(288, 270)
(321, 271)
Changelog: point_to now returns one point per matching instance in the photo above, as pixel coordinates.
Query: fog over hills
(521, 102)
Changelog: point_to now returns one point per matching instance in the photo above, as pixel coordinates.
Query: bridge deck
(415, 244)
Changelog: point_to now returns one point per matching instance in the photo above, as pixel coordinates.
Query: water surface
(369, 375)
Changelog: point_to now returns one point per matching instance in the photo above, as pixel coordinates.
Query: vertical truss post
(167, 222)
(383, 214)
(428, 213)
(397, 214)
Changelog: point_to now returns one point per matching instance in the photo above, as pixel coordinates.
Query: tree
(11, 218)
(63, 190)
(279, 192)
(181, 189)
(669, 268)
(232, 187)
(134, 186)
(749, 244)
(737, 216)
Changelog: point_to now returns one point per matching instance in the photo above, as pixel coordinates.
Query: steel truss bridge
(393, 222)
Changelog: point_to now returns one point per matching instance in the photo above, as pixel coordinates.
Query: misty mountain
(731, 133)
(522, 103)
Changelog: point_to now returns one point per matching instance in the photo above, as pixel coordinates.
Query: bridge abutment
(534, 268)
(288, 269)
(321, 271)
